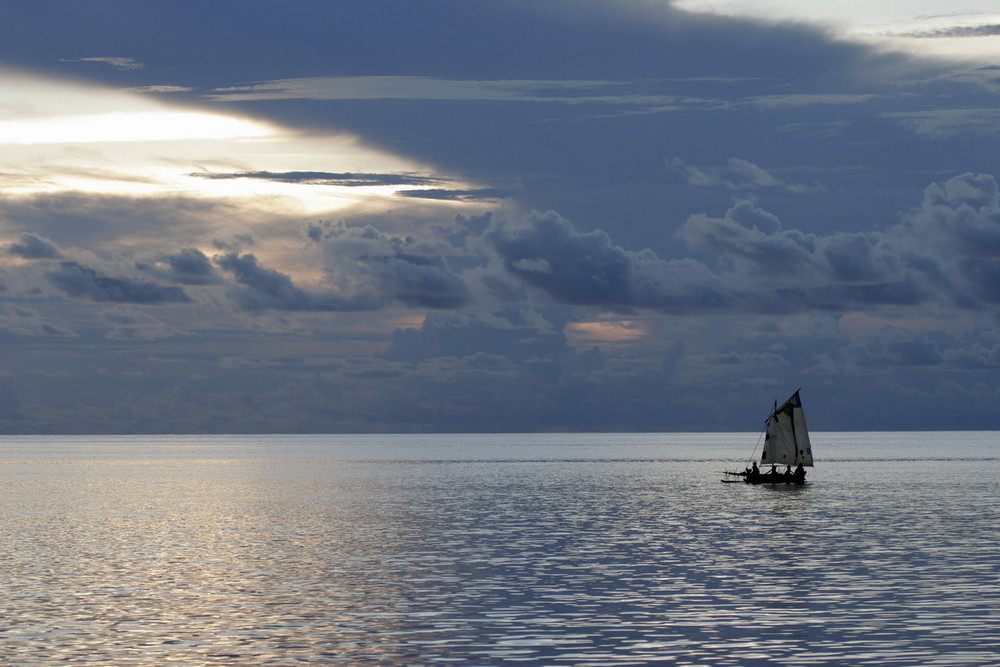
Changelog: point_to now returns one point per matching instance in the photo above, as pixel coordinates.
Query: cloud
(980, 30)
(160, 89)
(476, 195)
(10, 403)
(116, 62)
(954, 238)
(513, 339)
(436, 89)
(737, 175)
(587, 269)
(131, 324)
(947, 123)
(33, 246)
(369, 282)
(22, 321)
(264, 289)
(629, 288)
(189, 266)
(81, 281)
(409, 269)
(753, 241)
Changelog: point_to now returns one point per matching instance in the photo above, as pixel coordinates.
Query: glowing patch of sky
(605, 332)
(59, 136)
(929, 27)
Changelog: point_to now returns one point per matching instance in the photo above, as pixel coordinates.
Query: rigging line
(759, 437)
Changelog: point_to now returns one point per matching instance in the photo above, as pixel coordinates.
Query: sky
(465, 216)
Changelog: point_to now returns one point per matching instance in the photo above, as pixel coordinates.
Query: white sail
(786, 441)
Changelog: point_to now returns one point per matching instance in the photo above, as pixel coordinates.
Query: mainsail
(787, 439)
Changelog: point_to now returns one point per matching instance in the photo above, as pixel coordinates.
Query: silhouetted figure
(800, 474)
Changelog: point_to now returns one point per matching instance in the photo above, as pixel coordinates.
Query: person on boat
(787, 474)
(753, 473)
(800, 474)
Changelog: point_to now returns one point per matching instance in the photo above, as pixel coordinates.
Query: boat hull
(764, 478)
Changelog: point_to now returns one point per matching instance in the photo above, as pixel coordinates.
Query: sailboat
(786, 443)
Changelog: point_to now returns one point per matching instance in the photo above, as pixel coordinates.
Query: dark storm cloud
(345, 179)
(33, 246)
(81, 281)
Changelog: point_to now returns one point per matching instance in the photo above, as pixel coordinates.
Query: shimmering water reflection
(495, 550)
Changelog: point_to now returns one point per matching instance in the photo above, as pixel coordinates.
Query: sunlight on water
(494, 550)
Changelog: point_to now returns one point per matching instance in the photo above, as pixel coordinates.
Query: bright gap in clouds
(60, 136)
(115, 126)
(963, 29)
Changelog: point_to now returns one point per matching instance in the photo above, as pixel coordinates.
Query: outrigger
(786, 443)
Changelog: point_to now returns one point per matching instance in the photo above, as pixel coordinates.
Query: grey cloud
(737, 175)
(963, 212)
(953, 238)
(235, 242)
(454, 90)
(982, 30)
(10, 403)
(103, 223)
(588, 269)
(412, 280)
(758, 267)
(23, 321)
(480, 194)
(33, 246)
(515, 340)
(851, 258)
(419, 282)
(753, 240)
(129, 324)
(406, 269)
(189, 266)
(117, 62)
(895, 347)
(950, 122)
(81, 281)
(263, 289)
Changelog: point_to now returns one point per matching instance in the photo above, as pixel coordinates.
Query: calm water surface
(497, 550)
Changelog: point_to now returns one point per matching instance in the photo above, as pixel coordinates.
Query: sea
(500, 549)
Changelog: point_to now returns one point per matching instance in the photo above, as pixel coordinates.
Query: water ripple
(572, 561)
